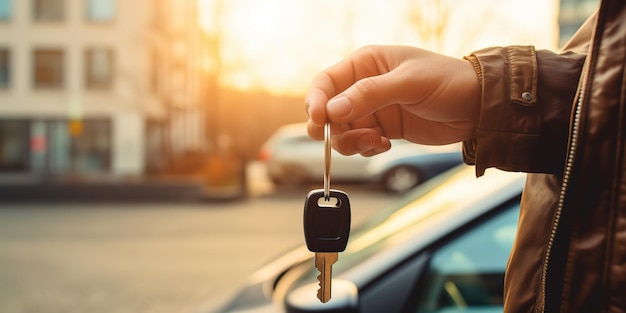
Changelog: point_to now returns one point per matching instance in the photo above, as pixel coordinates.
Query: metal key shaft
(327, 154)
(324, 260)
(324, 263)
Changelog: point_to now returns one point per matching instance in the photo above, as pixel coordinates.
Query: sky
(279, 45)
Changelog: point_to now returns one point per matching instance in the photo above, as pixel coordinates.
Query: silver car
(292, 157)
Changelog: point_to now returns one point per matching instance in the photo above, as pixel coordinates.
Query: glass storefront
(57, 147)
(90, 146)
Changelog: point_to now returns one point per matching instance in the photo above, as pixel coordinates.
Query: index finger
(321, 90)
(363, 63)
(325, 86)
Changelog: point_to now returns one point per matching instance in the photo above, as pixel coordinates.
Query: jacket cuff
(469, 146)
(509, 122)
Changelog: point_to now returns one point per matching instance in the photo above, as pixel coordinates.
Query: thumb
(363, 98)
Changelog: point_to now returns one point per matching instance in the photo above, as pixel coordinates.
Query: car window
(466, 274)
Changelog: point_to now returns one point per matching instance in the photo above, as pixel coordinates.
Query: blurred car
(441, 249)
(292, 157)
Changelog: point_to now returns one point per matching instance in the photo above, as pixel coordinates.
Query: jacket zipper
(564, 185)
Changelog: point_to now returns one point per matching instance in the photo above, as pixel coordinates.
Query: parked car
(292, 157)
(443, 248)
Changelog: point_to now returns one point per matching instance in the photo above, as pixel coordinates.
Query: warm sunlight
(278, 45)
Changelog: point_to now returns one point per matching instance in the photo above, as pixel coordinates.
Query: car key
(326, 225)
(326, 231)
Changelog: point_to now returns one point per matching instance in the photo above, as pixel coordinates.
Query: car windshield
(466, 272)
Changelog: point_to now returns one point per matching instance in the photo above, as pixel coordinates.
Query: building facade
(112, 88)
(88, 87)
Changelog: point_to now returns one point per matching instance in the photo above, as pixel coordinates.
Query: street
(157, 258)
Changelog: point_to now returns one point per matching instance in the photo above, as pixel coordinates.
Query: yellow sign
(75, 127)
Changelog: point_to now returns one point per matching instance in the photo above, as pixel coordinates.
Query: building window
(76, 146)
(48, 68)
(99, 10)
(49, 10)
(90, 145)
(98, 68)
(5, 10)
(14, 145)
(5, 68)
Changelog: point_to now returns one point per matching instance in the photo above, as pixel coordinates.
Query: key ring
(327, 150)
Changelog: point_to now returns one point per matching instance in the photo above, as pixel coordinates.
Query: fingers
(352, 92)
(364, 98)
(355, 107)
(352, 77)
(364, 141)
(321, 90)
(315, 132)
(360, 99)
(325, 86)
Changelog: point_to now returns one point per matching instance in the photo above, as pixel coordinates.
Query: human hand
(389, 92)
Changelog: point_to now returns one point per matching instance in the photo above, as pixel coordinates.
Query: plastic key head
(326, 223)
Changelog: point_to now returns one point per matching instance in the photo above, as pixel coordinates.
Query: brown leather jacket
(562, 117)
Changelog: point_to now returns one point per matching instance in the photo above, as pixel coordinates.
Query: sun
(263, 20)
(259, 44)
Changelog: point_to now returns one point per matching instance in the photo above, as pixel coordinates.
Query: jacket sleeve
(527, 98)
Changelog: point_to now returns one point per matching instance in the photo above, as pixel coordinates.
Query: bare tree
(437, 21)
(211, 93)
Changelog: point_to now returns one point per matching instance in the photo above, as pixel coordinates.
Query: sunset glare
(279, 45)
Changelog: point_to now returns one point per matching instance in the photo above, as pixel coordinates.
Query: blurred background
(167, 104)
(106, 90)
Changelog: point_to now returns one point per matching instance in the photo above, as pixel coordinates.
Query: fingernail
(308, 112)
(380, 150)
(365, 142)
(339, 107)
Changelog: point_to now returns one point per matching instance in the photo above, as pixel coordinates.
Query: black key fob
(326, 223)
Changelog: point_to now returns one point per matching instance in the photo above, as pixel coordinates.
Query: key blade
(324, 263)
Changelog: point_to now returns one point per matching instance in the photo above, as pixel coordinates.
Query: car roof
(290, 130)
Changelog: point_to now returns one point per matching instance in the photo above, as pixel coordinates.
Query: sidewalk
(29, 188)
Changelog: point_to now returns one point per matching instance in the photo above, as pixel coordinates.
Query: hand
(390, 92)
